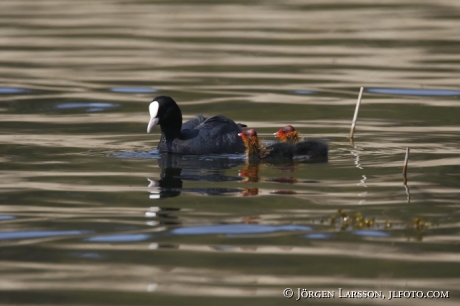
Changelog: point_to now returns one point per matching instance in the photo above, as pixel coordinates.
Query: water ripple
(38, 234)
(239, 229)
(13, 90)
(89, 106)
(120, 238)
(414, 92)
(133, 90)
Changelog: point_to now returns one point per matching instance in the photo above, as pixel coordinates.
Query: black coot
(310, 147)
(213, 135)
(257, 151)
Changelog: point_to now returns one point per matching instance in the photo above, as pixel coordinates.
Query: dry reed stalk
(406, 160)
(355, 117)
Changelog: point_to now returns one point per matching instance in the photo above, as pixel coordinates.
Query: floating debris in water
(356, 221)
(419, 224)
(361, 225)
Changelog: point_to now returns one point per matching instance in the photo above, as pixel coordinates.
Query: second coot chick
(255, 150)
(310, 147)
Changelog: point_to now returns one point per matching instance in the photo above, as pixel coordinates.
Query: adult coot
(310, 147)
(255, 150)
(213, 135)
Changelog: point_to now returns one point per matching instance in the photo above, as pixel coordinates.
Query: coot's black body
(213, 135)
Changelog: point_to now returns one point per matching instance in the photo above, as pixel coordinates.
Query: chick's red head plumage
(286, 133)
(250, 133)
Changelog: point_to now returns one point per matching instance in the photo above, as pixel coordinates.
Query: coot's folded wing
(193, 123)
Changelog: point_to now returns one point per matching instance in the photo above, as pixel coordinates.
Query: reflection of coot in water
(311, 147)
(255, 150)
(170, 183)
(199, 136)
(201, 168)
(175, 169)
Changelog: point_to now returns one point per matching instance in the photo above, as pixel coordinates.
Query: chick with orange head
(310, 147)
(287, 133)
(255, 150)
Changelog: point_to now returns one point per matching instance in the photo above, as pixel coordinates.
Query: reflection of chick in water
(251, 174)
(249, 192)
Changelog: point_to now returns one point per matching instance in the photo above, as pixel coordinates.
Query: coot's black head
(164, 112)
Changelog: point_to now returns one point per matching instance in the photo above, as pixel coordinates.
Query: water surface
(92, 214)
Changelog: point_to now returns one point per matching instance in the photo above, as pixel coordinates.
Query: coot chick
(255, 150)
(310, 147)
(213, 135)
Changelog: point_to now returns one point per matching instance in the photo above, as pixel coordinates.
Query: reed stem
(406, 160)
(355, 117)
